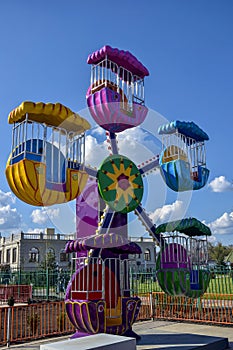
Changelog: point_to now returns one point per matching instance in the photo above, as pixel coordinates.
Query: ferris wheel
(47, 166)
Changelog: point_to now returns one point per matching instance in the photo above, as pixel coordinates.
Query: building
(147, 259)
(28, 250)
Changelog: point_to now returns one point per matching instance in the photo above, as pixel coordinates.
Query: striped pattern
(176, 282)
(91, 316)
(177, 176)
(105, 107)
(53, 114)
(27, 180)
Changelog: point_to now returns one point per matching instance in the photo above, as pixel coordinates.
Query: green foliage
(218, 253)
(49, 263)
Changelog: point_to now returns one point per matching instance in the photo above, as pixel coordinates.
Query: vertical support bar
(52, 156)
(13, 140)
(83, 149)
(151, 305)
(8, 326)
(115, 281)
(88, 279)
(32, 136)
(23, 136)
(44, 144)
(92, 74)
(103, 279)
(18, 136)
(77, 142)
(37, 139)
(59, 156)
(94, 77)
(47, 283)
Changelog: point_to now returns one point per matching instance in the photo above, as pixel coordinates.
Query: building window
(147, 256)
(34, 255)
(14, 255)
(64, 256)
(50, 251)
(8, 256)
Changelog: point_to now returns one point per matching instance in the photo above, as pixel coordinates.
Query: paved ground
(179, 335)
(166, 335)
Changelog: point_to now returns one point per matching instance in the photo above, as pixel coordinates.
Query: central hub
(123, 181)
(120, 183)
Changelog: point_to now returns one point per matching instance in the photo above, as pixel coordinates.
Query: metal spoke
(91, 171)
(149, 165)
(105, 222)
(112, 140)
(146, 221)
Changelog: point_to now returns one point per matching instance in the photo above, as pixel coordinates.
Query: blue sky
(187, 47)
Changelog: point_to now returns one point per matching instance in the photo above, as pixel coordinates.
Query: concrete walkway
(178, 335)
(166, 335)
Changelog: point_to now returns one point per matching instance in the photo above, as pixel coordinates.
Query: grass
(220, 287)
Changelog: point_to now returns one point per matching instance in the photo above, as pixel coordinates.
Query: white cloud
(99, 131)
(212, 239)
(43, 215)
(9, 218)
(168, 212)
(135, 143)
(223, 224)
(220, 184)
(95, 152)
(6, 198)
(35, 230)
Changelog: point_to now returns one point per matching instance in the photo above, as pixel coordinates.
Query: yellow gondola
(46, 162)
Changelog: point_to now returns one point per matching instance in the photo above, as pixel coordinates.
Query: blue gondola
(182, 160)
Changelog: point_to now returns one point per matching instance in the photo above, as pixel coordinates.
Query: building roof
(229, 257)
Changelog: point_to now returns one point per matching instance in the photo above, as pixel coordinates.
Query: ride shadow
(184, 341)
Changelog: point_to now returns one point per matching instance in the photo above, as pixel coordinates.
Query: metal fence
(51, 284)
(206, 309)
(27, 322)
(214, 307)
(44, 284)
(43, 314)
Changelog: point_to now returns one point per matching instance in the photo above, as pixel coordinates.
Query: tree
(49, 276)
(218, 252)
(49, 263)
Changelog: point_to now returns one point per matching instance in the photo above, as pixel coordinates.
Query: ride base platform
(95, 342)
(163, 335)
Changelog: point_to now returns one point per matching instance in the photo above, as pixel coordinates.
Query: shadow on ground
(181, 340)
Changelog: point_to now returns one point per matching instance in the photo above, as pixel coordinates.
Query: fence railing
(20, 293)
(206, 309)
(41, 319)
(34, 321)
(21, 323)
(44, 284)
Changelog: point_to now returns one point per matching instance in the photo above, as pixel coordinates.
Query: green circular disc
(120, 183)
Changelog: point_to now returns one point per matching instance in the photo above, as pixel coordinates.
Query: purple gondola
(115, 96)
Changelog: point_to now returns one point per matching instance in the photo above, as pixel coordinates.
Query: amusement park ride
(47, 166)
